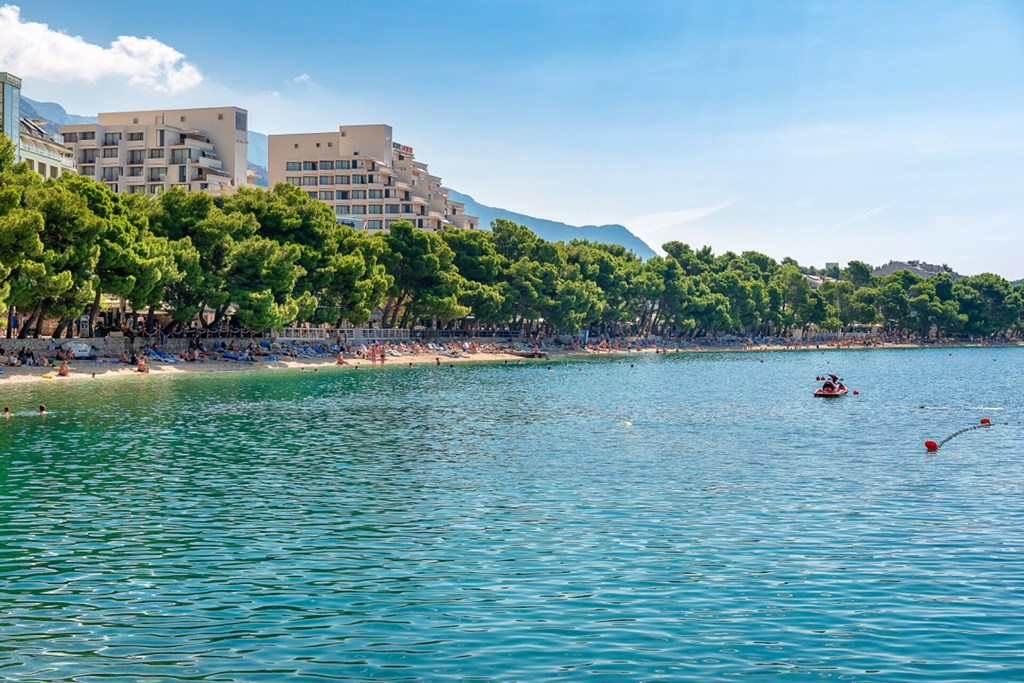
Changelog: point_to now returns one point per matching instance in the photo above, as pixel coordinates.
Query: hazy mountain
(554, 231)
(51, 112)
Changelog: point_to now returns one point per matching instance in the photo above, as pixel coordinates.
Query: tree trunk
(58, 332)
(28, 324)
(94, 311)
(405, 317)
(387, 311)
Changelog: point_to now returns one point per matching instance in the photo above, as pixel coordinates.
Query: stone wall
(107, 346)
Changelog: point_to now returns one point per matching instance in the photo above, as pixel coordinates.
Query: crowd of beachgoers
(204, 355)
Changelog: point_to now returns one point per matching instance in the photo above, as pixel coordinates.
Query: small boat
(832, 388)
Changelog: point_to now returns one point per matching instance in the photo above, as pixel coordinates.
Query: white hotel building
(369, 180)
(151, 151)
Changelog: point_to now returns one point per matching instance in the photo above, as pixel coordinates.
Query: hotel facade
(152, 151)
(367, 179)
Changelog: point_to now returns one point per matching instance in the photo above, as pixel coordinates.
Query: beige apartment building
(151, 151)
(369, 180)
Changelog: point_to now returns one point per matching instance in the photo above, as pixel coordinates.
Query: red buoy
(856, 393)
(931, 446)
(986, 421)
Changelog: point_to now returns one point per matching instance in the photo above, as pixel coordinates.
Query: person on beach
(64, 370)
(142, 367)
(341, 359)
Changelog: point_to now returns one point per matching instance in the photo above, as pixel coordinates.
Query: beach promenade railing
(347, 334)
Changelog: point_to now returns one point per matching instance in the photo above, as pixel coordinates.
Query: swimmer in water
(42, 409)
(7, 411)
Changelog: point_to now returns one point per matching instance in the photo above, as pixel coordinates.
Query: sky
(824, 130)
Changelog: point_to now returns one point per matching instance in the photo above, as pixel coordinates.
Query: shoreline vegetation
(449, 356)
(79, 261)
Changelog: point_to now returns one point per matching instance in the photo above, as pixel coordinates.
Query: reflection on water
(506, 522)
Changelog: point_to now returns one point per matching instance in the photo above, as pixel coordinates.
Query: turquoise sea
(682, 517)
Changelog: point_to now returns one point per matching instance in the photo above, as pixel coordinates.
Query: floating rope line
(931, 445)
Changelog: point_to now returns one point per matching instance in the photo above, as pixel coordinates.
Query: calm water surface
(676, 518)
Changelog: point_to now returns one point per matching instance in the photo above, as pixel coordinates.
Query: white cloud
(34, 50)
(302, 78)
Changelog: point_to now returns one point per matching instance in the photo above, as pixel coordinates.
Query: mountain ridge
(556, 231)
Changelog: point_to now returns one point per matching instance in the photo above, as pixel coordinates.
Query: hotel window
(358, 180)
(293, 180)
(406, 208)
(391, 208)
(309, 180)
(183, 119)
(341, 180)
(308, 165)
(376, 208)
(87, 135)
(373, 225)
(344, 164)
(71, 137)
(358, 209)
(156, 154)
(341, 210)
(134, 171)
(293, 166)
(135, 137)
(341, 194)
(312, 195)
(327, 195)
(87, 170)
(110, 153)
(358, 194)
(376, 194)
(326, 180)
(111, 139)
(326, 165)
(369, 178)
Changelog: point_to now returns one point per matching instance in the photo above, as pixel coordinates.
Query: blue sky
(826, 130)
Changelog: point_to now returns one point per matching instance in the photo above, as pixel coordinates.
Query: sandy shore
(87, 370)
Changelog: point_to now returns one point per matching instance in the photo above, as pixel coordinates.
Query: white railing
(348, 334)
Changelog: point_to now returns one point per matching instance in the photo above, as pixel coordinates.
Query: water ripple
(667, 518)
